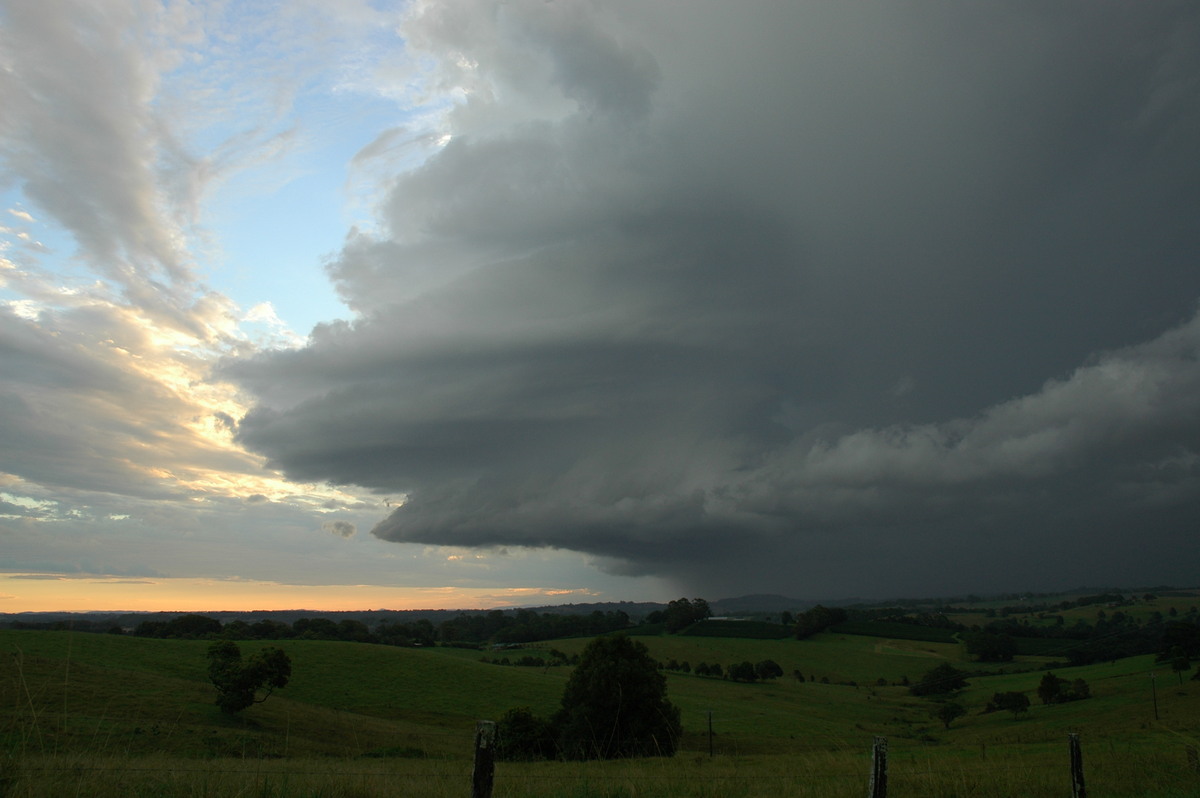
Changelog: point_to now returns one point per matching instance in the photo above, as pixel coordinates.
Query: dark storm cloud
(781, 296)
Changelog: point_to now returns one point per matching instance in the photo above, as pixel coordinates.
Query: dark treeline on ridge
(523, 626)
(992, 631)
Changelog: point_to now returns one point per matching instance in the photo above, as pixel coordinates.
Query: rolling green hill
(111, 698)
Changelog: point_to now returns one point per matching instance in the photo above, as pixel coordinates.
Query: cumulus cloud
(343, 529)
(777, 295)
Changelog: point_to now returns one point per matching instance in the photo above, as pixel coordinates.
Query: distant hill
(758, 604)
(634, 609)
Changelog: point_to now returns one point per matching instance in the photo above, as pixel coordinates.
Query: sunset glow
(58, 593)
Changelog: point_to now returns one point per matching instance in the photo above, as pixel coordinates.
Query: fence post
(485, 749)
(1077, 788)
(878, 786)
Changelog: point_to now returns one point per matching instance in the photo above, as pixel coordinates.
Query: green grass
(98, 715)
(753, 630)
(899, 631)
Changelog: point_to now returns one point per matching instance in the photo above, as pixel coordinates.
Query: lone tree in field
(948, 712)
(615, 704)
(239, 682)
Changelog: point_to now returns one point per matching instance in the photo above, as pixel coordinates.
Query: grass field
(100, 715)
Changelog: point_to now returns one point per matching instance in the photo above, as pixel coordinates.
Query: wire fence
(832, 771)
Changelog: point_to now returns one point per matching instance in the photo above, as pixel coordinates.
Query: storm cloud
(811, 298)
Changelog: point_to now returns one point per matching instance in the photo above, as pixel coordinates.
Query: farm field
(99, 715)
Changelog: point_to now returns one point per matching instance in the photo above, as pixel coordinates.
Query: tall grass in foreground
(833, 774)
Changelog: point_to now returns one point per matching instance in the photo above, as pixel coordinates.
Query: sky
(356, 305)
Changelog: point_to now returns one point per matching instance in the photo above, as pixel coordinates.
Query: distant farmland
(107, 715)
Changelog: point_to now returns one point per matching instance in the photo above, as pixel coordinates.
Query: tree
(315, 629)
(193, 627)
(990, 647)
(522, 736)
(743, 672)
(1050, 689)
(948, 711)
(239, 682)
(682, 613)
(767, 669)
(1013, 701)
(945, 678)
(1179, 662)
(615, 704)
(818, 619)
(1183, 634)
(1053, 690)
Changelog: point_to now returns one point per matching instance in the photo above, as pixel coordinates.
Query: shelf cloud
(805, 298)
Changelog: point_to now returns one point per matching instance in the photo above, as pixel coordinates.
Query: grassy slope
(120, 694)
(97, 700)
(100, 692)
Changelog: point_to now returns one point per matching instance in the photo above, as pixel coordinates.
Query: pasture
(100, 715)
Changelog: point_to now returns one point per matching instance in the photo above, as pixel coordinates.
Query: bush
(522, 736)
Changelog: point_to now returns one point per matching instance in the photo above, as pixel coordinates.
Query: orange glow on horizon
(69, 593)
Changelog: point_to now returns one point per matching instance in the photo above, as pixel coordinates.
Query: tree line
(523, 626)
(1113, 635)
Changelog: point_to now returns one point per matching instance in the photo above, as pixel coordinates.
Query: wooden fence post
(878, 785)
(485, 750)
(1077, 788)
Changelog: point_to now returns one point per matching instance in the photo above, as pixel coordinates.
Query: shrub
(522, 736)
